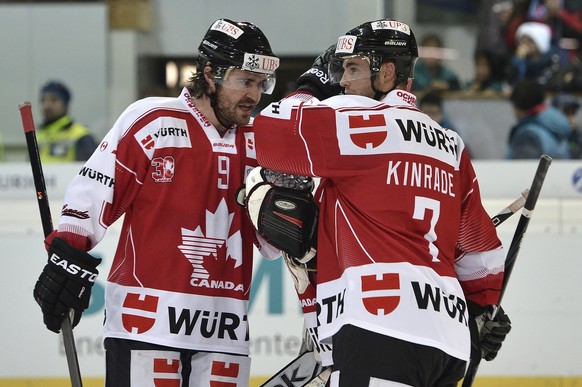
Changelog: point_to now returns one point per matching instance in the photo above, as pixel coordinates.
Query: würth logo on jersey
(212, 249)
(224, 374)
(362, 134)
(377, 293)
(167, 372)
(250, 149)
(148, 142)
(138, 312)
(429, 297)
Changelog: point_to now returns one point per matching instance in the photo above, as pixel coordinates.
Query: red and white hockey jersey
(403, 237)
(181, 274)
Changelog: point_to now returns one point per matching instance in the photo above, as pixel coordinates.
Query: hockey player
(178, 290)
(407, 257)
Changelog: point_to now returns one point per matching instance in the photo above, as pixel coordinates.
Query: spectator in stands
(431, 104)
(60, 138)
(569, 105)
(540, 128)
(494, 17)
(486, 80)
(534, 57)
(564, 18)
(429, 72)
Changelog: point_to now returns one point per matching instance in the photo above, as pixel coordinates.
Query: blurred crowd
(527, 51)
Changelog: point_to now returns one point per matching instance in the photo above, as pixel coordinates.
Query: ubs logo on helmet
(391, 25)
(346, 44)
(260, 63)
(227, 28)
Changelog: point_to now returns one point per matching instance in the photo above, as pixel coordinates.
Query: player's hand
(65, 284)
(488, 329)
(286, 218)
(316, 80)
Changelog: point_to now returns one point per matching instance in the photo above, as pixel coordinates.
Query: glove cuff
(73, 263)
(476, 309)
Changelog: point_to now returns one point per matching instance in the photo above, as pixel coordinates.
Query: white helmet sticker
(390, 25)
(227, 28)
(260, 63)
(345, 44)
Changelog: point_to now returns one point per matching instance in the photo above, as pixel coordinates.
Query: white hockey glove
(299, 273)
(285, 217)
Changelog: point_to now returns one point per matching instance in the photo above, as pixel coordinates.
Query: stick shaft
(37, 173)
(530, 203)
(47, 226)
(514, 247)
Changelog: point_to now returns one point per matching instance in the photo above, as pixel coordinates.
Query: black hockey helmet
(241, 45)
(378, 41)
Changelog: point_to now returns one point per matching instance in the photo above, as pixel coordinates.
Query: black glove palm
(487, 333)
(316, 80)
(65, 283)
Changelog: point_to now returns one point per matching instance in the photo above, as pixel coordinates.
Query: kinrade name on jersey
(420, 175)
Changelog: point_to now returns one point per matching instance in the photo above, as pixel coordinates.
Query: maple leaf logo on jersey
(199, 248)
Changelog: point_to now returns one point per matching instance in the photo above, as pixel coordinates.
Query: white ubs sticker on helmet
(227, 28)
(260, 63)
(345, 44)
(391, 25)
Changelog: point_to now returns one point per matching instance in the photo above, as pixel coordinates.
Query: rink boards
(543, 349)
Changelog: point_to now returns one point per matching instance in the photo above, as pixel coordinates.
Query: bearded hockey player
(178, 290)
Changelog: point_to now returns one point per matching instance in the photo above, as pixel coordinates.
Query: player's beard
(230, 112)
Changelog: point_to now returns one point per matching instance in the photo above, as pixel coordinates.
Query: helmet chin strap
(379, 94)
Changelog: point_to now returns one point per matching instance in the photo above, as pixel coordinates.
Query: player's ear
(387, 74)
(209, 78)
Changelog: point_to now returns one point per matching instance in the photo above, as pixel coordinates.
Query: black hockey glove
(285, 217)
(315, 81)
(65, 283)
(487, 333)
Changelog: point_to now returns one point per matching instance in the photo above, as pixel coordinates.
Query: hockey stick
(295, 373)
(511, 209)
(47, 226)
(514, 247)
